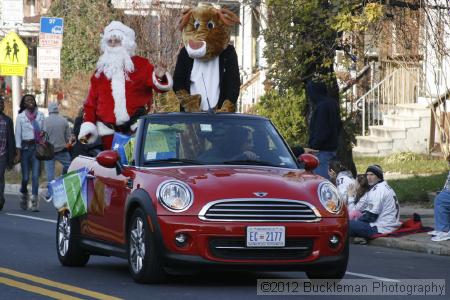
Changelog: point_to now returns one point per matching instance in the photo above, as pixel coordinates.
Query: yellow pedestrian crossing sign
(13, 55)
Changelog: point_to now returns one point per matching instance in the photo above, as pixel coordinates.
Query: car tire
(67, 243)
(144, 257)
(336, 271)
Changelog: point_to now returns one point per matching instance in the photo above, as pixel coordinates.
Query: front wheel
(67, 245)
(144, 259)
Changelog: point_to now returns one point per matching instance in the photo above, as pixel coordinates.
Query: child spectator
(357, 197)
(341, 177)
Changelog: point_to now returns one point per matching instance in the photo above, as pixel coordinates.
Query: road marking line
(35, 289)
(62, 286)
(33, 218)
(372, 277)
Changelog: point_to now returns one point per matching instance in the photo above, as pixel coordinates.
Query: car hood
(233, 182)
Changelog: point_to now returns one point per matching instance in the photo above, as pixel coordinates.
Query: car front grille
(259, 210)
(235, 248)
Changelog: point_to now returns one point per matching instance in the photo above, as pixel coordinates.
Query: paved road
(29, 268)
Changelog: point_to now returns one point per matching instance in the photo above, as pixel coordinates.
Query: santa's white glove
(160, 71)
(88, 133)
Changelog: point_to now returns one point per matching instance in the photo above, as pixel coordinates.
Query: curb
(403, 243)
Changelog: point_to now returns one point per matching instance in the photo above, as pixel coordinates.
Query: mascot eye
(196, 24)
(211, 25)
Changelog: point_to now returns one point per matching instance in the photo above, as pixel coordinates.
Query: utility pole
(15, 92)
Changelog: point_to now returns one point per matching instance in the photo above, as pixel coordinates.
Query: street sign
(51, 33)
(49, 62)
(14, 55)
(12, 12)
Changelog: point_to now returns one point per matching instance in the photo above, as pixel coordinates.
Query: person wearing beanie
(382, 213)
(58, 131)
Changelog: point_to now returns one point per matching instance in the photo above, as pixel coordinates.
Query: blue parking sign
(52, 25)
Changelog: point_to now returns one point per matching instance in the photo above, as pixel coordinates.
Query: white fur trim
(163, 86)
(196, 53)
(120, 102)
(87, 128)
(103, 129)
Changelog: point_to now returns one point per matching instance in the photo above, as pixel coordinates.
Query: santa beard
(114, 60)
(116, 63)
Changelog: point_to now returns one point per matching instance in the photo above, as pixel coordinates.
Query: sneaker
(441, 236)
(359, 240)
(34, 204)
(2, 202)
(434, 232)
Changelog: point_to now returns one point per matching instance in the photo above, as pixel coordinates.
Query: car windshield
(214, 139)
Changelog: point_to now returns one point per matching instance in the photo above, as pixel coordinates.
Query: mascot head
(206, 30)
(117, 45)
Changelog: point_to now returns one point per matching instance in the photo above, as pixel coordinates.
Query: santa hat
(120, 30)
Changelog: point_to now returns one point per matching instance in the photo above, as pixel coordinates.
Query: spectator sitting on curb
(357, 197)
(57, 128)
(341, 177)
(442, 213)
(382, 212)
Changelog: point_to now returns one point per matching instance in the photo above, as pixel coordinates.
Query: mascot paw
(190, 103)
(227, 106)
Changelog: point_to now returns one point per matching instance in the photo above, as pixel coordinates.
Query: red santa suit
(112, 102)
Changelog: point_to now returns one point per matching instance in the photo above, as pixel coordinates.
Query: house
(404, 106)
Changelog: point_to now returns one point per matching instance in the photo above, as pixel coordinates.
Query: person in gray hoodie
(58, 130)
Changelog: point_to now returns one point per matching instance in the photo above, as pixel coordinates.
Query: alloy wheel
(63, 234)
(137, 245)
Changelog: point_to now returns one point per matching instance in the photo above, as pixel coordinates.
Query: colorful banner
(70, 190)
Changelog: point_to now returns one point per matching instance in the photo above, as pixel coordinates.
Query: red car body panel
(208, 183)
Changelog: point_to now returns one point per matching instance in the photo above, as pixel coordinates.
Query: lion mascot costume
(207, 73)
(121, 89)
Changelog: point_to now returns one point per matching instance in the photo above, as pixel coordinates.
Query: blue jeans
(28, 162)
(361, 229)
(63, 157)
(324, 158)
(442, 211)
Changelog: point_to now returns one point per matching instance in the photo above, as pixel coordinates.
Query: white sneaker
(434, 232)
(441, 236)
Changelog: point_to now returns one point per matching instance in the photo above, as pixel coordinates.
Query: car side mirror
(108, 158)
(309, 161)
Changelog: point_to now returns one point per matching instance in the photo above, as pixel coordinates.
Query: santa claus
(121, 89)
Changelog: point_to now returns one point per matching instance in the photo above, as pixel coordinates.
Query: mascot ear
(228, 17)
(185, 19)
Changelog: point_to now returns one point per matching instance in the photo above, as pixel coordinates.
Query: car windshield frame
(176, 118)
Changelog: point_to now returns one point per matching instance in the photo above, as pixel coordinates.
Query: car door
(107, 193)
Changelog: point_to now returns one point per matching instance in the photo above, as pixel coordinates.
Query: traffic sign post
(51, 33)
(14, 55)
(48, 59)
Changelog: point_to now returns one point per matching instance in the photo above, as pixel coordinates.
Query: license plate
(266, 236)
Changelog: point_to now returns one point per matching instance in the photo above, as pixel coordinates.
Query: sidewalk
(420, 242)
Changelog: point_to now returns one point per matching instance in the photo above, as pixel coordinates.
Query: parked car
(208, 190)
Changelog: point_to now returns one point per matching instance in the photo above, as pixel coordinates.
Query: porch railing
(401, 86)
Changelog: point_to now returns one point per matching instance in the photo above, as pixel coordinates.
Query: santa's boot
(34, 203)
(24, 201)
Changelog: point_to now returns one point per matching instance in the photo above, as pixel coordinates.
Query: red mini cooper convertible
(208, 190)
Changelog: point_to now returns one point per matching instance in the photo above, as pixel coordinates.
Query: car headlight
(329, 197)
(175, 195)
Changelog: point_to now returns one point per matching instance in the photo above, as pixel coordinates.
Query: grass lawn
(404, 163)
